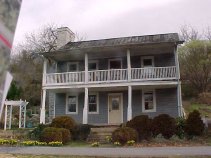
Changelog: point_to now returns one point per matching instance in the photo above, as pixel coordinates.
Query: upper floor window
(115, 64)
(147, 61)
(93, 65)
(72, 66)
(72, 104)
(148, 101)
(93, 103)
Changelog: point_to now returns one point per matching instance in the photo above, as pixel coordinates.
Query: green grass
(205, 110)
(78, 144)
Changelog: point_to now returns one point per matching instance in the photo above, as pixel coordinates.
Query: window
(147, 61)
(93, 103)
(72, 104)
(148, 101)
(115, 63)
(93, 65)
(72, 67)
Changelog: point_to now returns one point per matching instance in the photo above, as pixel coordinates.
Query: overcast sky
(97, 19)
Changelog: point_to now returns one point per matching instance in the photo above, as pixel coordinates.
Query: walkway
(110, 152)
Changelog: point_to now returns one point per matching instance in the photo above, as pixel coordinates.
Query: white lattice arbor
(8, 113)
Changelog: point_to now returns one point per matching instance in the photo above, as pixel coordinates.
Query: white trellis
(8, 113)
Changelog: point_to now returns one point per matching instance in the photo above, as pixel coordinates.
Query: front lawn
(204, 109)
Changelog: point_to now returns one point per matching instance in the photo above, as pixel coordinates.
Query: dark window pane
(148, 105)
(71, 99)
(147, 62)
(72, 67)
(115, 64)
(148, 97)
(92, 107)
(115, 104)
(72, 108)
(92, 99)
(92, 66)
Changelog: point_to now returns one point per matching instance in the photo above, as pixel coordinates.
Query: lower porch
(114, 105)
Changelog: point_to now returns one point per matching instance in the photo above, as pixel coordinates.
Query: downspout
(179, 95)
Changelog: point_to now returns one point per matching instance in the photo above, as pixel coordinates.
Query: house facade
(110, 81)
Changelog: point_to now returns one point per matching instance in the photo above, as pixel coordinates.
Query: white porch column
(86, 68)
(179, 93)
(44, 72)
(179, 97)
(128, 65)
(129, 108)
(5, 118)
(42, 110)
(85, 109)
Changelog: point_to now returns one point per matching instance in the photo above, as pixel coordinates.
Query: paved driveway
(110, 152)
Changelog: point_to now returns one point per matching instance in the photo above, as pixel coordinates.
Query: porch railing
(65, 78)
(108, 75)
(155, 73)
(112, 75)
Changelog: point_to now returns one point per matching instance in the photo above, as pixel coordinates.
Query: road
(109, 152)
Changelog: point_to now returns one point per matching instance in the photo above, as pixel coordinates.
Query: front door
(115, 110)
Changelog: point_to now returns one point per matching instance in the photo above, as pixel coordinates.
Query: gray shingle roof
(133, 40)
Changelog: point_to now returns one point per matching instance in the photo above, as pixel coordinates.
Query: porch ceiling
(111, 52)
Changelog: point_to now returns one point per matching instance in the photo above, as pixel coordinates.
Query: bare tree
(44, 40)
(207, 33)
(188, 33)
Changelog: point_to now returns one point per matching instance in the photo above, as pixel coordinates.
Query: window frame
(147, 57)
(77, 66)
(97, 103)
(116, 59)
(75, 95)
(154, 101)
(93, 61)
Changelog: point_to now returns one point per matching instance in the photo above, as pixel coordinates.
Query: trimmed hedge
(124, 134)
(165, 125)
(52, 134)
(142, 124)
(194, 126)
(63, 122)
(66, 135)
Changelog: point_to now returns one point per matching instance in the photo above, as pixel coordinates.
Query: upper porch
(112, 61)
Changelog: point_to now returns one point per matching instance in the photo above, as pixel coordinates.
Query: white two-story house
(109, 81)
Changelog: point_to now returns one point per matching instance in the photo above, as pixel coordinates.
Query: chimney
(64, 35)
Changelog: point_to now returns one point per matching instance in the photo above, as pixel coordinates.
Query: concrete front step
(99, 134)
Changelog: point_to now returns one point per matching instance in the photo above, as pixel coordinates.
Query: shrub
(36, 133)
(142, 124)
(124, 134)
(81, 131)
(66, 136)
(194, 125)
(160, 139)
(63, 122)
(165, 125)
(180, 127)
(51, 134)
